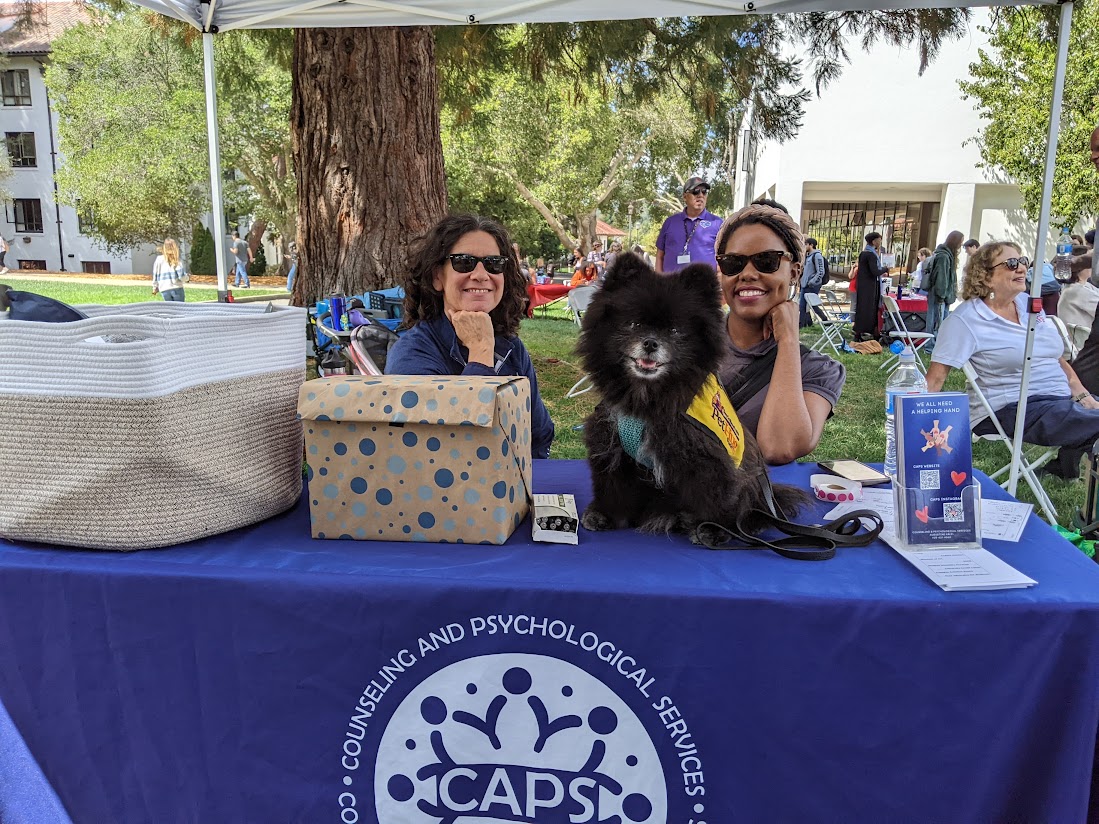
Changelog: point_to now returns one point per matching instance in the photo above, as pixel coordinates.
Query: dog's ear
(626, 266)
(702, 278)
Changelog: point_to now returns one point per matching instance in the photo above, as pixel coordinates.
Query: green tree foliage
(132, 121)
(258, 267)
(203, 254)
(570, 152)
(1012, 84)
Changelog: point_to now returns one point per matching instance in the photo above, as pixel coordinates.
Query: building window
(96, 267)
(16, 85)
(38, 265)
(21, 149)
(85, 220)
(28, 214)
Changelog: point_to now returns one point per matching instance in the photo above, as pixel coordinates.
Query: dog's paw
(709, 534)
(663, 525)
(595, 521)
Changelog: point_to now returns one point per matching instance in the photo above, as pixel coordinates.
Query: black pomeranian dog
(650, 343)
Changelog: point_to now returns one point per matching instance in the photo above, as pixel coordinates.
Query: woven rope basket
(149, 425)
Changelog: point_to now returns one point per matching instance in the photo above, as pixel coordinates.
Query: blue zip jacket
(431, 347)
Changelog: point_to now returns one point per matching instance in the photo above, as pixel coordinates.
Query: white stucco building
(42, 234)
(914, 178)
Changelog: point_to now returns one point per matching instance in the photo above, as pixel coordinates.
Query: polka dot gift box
(417, 458)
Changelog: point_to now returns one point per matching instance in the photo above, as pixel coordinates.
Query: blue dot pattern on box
(396, 479)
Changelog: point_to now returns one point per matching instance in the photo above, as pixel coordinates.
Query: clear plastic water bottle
(905, 380)
(1062, 261)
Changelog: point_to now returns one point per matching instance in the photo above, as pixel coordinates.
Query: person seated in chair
(587, 276)
(760, 254)
(989, 331)
(1080, 297)
(463, 302)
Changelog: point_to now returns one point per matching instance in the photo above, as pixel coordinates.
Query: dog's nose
(650, 345)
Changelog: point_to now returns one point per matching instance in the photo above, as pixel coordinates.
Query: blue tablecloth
(262, 676)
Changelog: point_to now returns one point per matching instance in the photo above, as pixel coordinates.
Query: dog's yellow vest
(711, 408)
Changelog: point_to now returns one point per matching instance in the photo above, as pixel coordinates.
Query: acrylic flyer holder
(957, 527)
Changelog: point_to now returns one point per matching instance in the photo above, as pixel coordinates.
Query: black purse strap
(753, 377)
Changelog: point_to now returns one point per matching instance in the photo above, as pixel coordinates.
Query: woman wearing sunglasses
(464, 298)
(989, 331)
(760, 253)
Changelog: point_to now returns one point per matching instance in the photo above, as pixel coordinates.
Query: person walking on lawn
(243, 255)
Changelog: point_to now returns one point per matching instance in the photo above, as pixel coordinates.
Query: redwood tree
(367, 153)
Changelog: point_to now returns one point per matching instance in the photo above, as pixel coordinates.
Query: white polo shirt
(995, 348)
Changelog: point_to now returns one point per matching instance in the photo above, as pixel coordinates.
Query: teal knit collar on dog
(630, 432)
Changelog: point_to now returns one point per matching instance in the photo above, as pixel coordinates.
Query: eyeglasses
(1014, 263)
(765, 263)
(699, 190)
(464, 264)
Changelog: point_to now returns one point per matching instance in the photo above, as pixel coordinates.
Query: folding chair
(913, 340)
(831, 328)
(1067, 338)
(840, 309)
(1033, 458)
(579, 298)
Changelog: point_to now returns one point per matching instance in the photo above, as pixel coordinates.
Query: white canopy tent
(214, 16)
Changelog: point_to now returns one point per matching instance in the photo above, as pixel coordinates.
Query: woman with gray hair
(787, 392)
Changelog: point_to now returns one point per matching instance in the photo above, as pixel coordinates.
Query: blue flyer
(935, 466)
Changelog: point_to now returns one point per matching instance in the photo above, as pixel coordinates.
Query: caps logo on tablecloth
(515, 737)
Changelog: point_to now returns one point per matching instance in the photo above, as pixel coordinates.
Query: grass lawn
(109, 294)
(856, 430)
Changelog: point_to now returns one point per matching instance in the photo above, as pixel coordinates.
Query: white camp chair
(1033, 458)
(1067, 338)
(831, 328)
(913, 340)
(579, 298)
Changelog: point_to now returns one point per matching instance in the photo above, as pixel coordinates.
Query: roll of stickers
(834, 489)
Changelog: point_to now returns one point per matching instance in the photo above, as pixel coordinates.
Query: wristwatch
(1080, 397)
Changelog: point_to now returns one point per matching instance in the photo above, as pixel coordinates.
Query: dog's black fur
(648, 343)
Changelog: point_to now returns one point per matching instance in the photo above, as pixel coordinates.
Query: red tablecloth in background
(912, 303)
(543, 293)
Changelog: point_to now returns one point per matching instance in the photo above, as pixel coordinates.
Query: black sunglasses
(699, 190)
(1014, 263)
(464, 264)
(765, 263)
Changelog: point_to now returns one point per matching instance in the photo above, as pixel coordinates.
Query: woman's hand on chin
(782, 322)
(474, 331)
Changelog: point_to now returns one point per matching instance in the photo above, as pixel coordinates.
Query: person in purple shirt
(688, 236)
(463, 302)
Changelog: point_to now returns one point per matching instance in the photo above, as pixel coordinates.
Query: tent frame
(205, 21)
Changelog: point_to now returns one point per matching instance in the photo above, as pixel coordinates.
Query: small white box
(554, 520)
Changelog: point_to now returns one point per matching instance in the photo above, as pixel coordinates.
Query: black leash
(804, 542)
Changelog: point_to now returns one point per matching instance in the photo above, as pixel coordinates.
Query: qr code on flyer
(929, 479)
(954, 513)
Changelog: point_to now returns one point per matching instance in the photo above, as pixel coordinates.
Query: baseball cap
(694, 181)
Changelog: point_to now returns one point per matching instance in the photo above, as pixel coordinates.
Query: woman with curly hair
(760, 254)
(463, 302)
(989, 331)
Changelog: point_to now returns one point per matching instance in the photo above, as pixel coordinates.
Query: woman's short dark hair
(870, 238)
(777, 221)
(423, 301)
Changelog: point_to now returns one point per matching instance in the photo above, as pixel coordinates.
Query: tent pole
(217, 207)
(1043, 232)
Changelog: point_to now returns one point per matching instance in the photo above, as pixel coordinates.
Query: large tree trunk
(367, 154)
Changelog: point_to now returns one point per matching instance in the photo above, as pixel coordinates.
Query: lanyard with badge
(686, 256)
